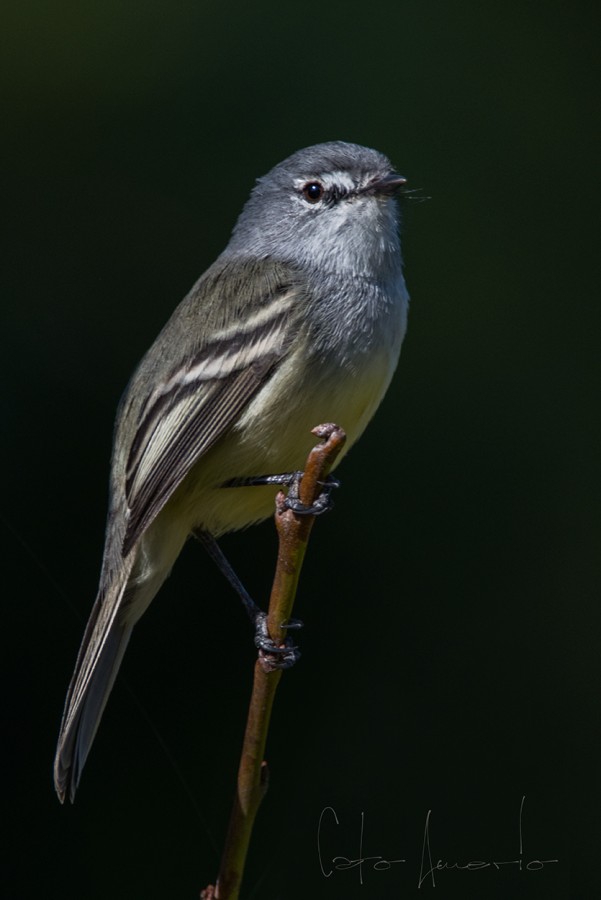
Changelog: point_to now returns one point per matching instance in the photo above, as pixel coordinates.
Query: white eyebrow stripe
(329, 180)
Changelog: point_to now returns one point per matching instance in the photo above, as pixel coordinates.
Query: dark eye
(313, 191)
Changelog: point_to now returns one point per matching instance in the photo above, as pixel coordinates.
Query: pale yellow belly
(272, 437)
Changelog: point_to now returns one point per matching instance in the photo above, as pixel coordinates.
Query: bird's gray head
(331, 206)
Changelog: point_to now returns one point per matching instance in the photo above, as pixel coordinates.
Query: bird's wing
(192, 406)
(189, 423)
(187, 406)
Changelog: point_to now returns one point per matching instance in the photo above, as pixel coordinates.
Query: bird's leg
(281, 657)
(322, 504)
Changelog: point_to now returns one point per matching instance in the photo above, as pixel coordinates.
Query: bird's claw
(322, 503)
(275, 656)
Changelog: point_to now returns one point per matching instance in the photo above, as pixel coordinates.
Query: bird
(299, 321)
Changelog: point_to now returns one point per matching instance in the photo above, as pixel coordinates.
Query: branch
(293, 533)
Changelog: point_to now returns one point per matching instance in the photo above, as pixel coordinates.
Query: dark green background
(451, 601)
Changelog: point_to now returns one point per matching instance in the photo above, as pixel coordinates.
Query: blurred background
(451, 600)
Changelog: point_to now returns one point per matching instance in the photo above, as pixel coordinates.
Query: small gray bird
(299, 321)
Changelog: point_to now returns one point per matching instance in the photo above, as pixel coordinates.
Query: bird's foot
(275, 656)
(322, 503)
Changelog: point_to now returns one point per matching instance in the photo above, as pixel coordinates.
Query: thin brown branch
(293, 532)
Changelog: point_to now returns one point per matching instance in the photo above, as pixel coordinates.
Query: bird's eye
(313, 191)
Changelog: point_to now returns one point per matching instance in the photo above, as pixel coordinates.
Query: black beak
(388, 185)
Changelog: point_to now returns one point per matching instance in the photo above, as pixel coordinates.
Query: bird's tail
(100, 655)
(123, 597)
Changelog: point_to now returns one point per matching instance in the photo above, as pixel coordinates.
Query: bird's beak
(387, 185)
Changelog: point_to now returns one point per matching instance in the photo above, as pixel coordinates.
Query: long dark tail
(100, 655)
